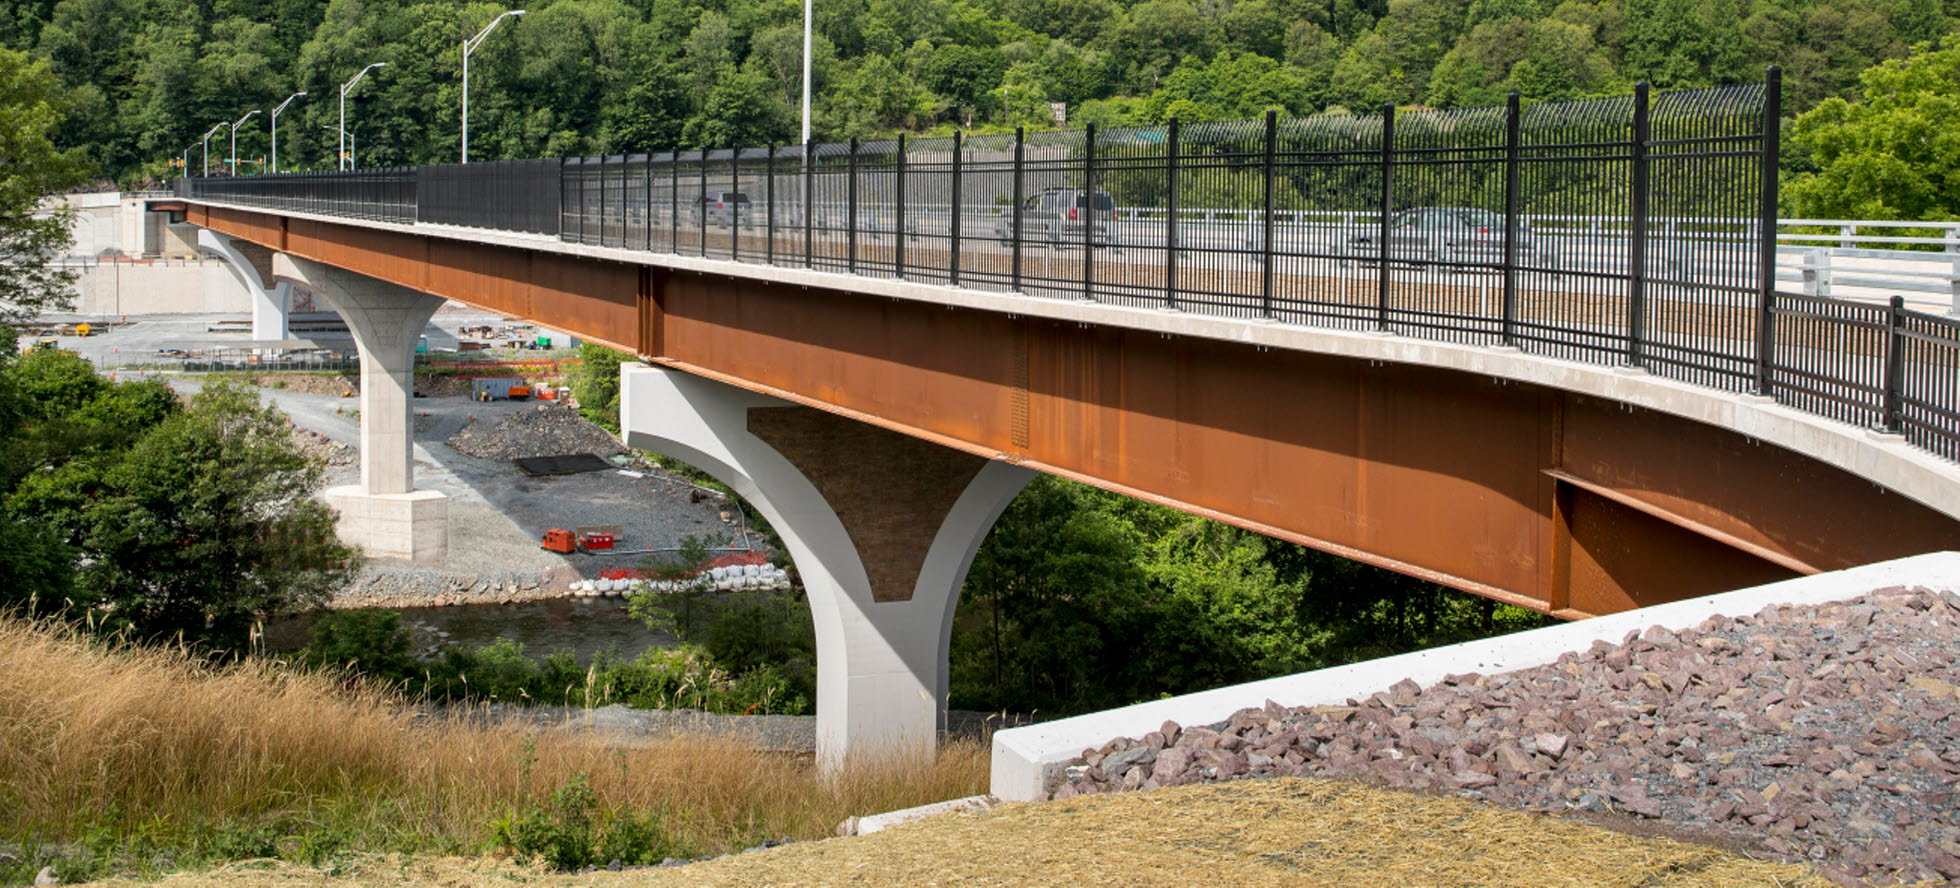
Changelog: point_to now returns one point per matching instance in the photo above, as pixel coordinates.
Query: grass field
(139, 760)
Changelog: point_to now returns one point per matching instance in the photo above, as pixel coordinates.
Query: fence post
(701, 200)
(1089, 213)
(1381, 224)
(953, 261)
(1513, 150)
(674, 199)
(851, 201)
(646, 199)
(1637, 237)
(898, 213)
(1266, 220)
(1766, 229)
(734, 206)
(769, 252)
(1894, 364)
(602, 200)
(1170, 214)
(809, 200)
(1020, 142)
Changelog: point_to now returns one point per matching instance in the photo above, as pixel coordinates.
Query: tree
(1893, 153)
(31, 169)
(210, 520)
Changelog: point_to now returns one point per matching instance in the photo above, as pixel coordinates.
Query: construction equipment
(585, 539)
(47, 343)
(519, 392)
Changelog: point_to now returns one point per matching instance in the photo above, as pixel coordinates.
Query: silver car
(1057, 215)
(720, 209)
(1449, 234)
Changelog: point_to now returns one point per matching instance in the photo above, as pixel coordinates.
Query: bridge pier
(384, 514)
(883, 527)
(251, 264)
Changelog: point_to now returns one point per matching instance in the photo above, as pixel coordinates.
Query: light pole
(206, 142)
(469, 46)
(275, 127)
(187, 159)
(343, 108)
(353, 144)
(806, 74)
(234, 138)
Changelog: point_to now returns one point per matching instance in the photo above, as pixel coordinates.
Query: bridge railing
(1635, 230)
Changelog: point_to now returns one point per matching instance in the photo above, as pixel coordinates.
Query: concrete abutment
(384, 514)
(883, 528)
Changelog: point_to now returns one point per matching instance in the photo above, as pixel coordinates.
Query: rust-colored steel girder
(1535, 496)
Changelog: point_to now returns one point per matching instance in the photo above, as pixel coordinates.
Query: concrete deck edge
(1885, 460)
(1025, 758)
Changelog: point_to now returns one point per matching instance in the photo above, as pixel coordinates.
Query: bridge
(1536, 352)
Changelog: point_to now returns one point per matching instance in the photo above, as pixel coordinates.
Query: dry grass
(1288, 832)
(96, 736)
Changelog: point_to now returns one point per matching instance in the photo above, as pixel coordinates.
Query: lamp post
(343, 108)
(187, 159)
(234, 138)
(469, 46)
(275, 127)
(353, 144)
(806, 74)
(206, 142)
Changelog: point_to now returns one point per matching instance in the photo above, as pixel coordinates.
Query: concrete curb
(1025, 758)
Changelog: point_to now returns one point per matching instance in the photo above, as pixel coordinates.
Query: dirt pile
(327, 450)
(549, 430)
(1827, 733)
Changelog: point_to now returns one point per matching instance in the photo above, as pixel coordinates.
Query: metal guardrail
(1635, 230)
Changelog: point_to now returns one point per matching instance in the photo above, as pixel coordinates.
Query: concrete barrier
(1025, 758)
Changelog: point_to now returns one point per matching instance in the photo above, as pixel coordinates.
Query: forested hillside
(589, 76)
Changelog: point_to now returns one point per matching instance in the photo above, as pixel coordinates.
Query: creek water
(583, 626)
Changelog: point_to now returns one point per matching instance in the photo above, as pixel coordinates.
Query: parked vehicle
(1449, 234)
(721, 209)
(1058, 214)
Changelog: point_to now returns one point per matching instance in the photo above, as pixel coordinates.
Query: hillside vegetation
(607, 76)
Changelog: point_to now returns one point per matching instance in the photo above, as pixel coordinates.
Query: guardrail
(1636, 230)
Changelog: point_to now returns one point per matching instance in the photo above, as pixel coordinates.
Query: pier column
(251, 264)
(883, 527)
(385, 515)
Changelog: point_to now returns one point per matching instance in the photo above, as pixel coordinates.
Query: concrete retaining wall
(1025, 758)
(180, 287)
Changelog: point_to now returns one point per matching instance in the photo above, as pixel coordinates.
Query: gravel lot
(1826, 733)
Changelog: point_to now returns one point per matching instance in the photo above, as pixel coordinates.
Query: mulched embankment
(1291, 832)
(1828, 733)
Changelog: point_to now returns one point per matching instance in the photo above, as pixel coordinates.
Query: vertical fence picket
(1386, 208)
(1020, 146)
(1766, 230)
(1266, 269)
(1088, 215)
(1170, 214)
(898, 214)
(1637, 227)
(953, 239)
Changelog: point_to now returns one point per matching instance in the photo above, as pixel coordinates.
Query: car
(1057, 216)
(1449, 234)
(720, 209)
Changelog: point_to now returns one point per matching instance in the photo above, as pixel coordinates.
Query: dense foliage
(149, 77)
(1893, 153)
(32, 104)
(124, 508)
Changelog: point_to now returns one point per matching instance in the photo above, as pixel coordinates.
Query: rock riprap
(1829, 732)
(549, 430)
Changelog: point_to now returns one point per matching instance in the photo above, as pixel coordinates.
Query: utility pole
(275, 128)
(806, 75)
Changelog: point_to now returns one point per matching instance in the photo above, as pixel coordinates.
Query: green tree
(212, 519)
(31, 169)
(1892, 152)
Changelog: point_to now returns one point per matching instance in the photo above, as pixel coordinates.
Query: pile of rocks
(549, 430)
(418, 587)
(1830, 733)
(326, 450)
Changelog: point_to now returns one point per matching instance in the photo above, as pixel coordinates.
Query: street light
(343, 108)
(206, 142)
(275, 127)
(353, 144)
(806, 74)
(469, 46)
(187, 159)
(234, 138)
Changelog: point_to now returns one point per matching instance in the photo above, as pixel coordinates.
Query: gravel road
(1828, 733)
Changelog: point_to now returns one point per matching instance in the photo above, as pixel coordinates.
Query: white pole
(234, 139)
(806, 73)
(343, 109)
(206, 142)
(470, 46)
(275, 127)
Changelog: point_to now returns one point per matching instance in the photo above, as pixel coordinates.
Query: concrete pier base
(882, 527)
(385, 515)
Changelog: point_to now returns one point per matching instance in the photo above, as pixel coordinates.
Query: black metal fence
(1634, 230)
